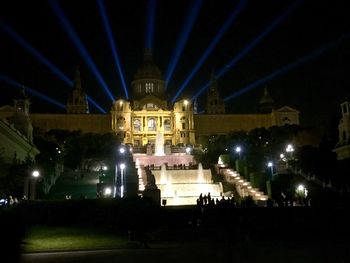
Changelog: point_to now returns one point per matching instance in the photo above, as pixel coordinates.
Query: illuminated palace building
(138, 121)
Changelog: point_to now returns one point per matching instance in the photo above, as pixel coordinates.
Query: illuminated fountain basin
(177, 186)
(183, 187)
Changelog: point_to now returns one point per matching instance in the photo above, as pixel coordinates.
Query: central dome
(148, 69)
(148, 85)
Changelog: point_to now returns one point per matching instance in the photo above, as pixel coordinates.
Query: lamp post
(238, 150)
(289, 148)
(122, 150)
(35, 174)
(301, 193)
(122, 167)
(268, 182)
(270, 165)
(289, 151)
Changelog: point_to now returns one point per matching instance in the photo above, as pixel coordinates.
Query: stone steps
(243, 186)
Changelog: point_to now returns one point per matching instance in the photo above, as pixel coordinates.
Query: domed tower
(343, 146)
(77, 99)
(148, 86)
(266, 103)
(215, 105)
(184, 122)
(121, 120)
(20, 118)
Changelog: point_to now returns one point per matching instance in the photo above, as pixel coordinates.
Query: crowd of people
(207, 200)
(11, 200)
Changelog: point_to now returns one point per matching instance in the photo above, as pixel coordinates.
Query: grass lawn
(45, 238)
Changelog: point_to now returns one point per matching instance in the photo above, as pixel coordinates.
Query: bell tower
(215, 105)
(20, 118)
(266, 103)
(77, 99)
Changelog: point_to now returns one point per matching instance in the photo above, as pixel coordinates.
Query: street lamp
(122, 167)
(35, 174)
(270, 165)
(238, 150)
(122, 150)
(108, 191)
(289, 148)
(301, 192)
(32, 192)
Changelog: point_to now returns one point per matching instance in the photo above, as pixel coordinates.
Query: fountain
(163, 175)
(159, 156)
(178, 186)
(183, 186)
(159, 147)
(200, 174)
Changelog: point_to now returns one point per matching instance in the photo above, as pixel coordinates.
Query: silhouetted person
(201, 199)
(151, 181)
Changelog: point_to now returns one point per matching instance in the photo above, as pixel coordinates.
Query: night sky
(315, 87)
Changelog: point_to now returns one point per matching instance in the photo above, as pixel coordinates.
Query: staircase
(243, 187)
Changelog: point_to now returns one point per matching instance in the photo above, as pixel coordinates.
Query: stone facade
(87, 123)
(14, 146)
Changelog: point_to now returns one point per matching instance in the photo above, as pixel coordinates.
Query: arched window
(149, 88)
(286, 120)
(120, 123)
(183, 122)
(167, 125)
(151, 106)
(137, 125)
(152, 124)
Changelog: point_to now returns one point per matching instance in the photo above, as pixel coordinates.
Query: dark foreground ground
(295, 234)
(191, 252)
(209, 247)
